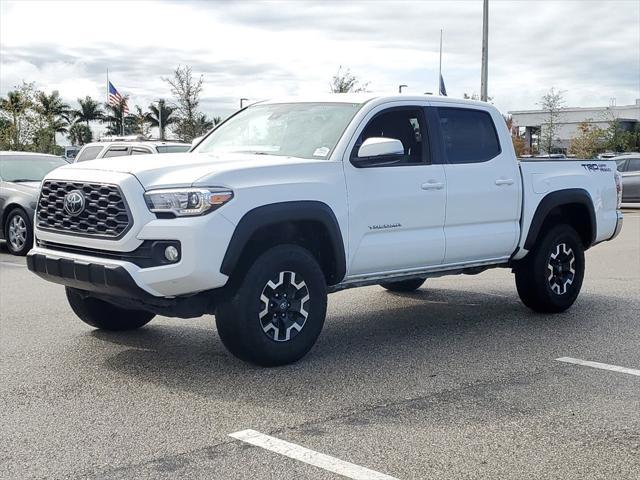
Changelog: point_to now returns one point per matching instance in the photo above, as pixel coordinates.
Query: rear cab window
(89, 153)
(173, 148)
(140, 151)
(468, 135)
(116, 151)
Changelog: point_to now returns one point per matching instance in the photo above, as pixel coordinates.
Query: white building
(533, 121)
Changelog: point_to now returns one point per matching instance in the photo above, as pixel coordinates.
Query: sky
(258, 50)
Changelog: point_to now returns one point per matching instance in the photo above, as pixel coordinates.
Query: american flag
(115, 99)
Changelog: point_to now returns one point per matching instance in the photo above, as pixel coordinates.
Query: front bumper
(203, 242)
(102, 279)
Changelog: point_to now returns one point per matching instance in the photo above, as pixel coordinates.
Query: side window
(405, 124)
(140, 151)
(620, 165)
(468, 136)
(633, 165)
(89, 153)
(116, 152)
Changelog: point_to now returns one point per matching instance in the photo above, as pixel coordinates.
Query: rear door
(483, 184)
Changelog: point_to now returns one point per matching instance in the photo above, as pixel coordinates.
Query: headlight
(186, 202)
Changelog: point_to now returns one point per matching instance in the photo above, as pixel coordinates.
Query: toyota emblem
(74, 203)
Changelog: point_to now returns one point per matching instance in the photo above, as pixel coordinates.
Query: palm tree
(79, 134)
(140, 121)
(54, 112)
(161, 116)
(114, 115)
(89, 111)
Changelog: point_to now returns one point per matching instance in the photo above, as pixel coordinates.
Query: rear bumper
(619, 222)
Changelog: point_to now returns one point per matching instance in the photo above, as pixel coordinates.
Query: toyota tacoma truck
(289, 200)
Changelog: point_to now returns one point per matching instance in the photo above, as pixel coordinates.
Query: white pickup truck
(289, 200)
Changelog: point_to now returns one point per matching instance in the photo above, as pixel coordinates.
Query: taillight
(618, 177)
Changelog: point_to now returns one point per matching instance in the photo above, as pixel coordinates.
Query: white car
(289, 200)
(94, 150)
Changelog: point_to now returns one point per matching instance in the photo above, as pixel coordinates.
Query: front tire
(18, 232)
(404, 285)
(276, 313)
(550, 277)
(105, 316)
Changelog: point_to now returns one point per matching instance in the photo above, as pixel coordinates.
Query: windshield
(305, 130)
(27, 168)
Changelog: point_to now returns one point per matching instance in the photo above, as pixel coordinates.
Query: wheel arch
(311, 224)
(573, 205)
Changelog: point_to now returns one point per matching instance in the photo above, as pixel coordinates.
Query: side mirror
(379, 151)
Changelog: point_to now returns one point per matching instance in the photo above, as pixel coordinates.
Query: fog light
(171, 253)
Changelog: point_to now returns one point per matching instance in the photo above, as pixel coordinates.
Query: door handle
(432, 185)
(504, 181)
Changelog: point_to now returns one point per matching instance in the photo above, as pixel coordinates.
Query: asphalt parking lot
(458, 380)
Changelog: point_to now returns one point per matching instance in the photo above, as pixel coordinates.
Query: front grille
(105, 213)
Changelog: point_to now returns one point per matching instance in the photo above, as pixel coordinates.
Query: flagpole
(440, 67)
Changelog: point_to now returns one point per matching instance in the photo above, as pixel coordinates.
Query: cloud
(590, 49)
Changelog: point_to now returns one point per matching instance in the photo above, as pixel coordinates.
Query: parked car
(629, 167)
(287, 201)
(20, 177)
(94, 150)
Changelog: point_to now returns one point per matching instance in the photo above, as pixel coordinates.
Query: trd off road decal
(596, 167)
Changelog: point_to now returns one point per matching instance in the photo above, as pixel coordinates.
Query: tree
(20, 120)
(89, 111)
(140, 121)
(80, 133)
(475, 96)
(551, 102)
(186, 90)
(517, 140)
(114, 116)
(344, 82)
(54, 115)
(162, 116)
(202, 125)
(590, 141)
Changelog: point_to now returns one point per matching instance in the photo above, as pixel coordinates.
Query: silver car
(629, 167)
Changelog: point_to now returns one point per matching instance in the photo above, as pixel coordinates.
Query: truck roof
(370, 96)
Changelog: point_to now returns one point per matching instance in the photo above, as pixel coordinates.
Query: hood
(181, 169)
(30, 188)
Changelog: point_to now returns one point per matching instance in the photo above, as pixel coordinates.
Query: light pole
(485, 51)
(400, 87)
(242, 100)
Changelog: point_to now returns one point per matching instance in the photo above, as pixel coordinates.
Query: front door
(396, 212)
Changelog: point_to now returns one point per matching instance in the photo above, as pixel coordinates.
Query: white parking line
(305, 455)
(13, 264)
(602, 366)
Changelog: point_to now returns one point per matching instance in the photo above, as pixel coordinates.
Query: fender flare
(271, 214)
(557, 199)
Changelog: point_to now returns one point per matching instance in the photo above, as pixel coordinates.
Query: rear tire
(276, 313)
(404, 285)
(105, 316)
(550, 277)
